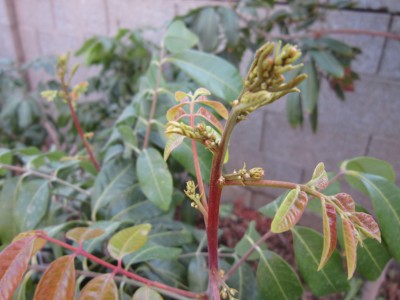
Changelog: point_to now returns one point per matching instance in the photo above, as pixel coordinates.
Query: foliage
(101, 202)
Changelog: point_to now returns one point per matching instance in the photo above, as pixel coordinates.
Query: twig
(247, 254)
(45, 176)
(154, 101)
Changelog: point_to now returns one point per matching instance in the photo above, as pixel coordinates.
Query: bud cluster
(190, 191)
(244, 174)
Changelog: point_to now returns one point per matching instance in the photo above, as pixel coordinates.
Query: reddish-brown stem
(82, 134)
(154, 100)
(119, 270)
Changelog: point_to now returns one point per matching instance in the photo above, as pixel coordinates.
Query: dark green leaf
(151, 251)
(248, 240)
(198, 274)
(309, 87)
(328, 63)
(230, 25)
(294, 110)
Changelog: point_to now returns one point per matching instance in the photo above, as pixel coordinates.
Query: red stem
(82, 135)
(119, 270)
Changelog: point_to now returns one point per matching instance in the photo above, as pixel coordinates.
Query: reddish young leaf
(204, 113)
(101, 287)
(290, 211)
(350, 246)
(179, 96)
(173, 111)
(217, 106)
(173, 142)
(180, 114)
(346, 202)
(38, 243)
(330, 234)
(58, 282)
(367, 225)
(319, 179)
(81, 234)
(13, 263)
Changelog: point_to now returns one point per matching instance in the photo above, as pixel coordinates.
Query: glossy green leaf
(230, 25)
(155, 178)
(128, 240)
(290, 211)
(205, 25)
(102, 287)
(198, 274)
(13, 263)
(82, 234)
(58, 282)
(328, 63)
(329, 229)
(308, 249)
(210, 71)
(309, 87)
(112, 183)
(178, 38)
(276, 279)
(248, 240)
(145, 293)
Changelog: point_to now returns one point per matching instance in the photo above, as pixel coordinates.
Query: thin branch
(253, 247)
(120, 270)
(45, 176)
(154, 101)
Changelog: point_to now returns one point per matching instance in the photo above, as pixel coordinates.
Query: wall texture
(367, 123)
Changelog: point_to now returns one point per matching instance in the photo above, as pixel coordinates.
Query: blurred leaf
(38, 243)
(128, 137)
(145, 293)
(230, 25)
(244, 281)
(5, 158)
(337, 46)
(14, 261)
(294, 110)
(198, 274)
(217, 106)
(82, 234)
(128, 240)
(309, 87)
(155, 178)
(328, 63)
(276, 279)
(248, 240)
(58, 282)
(25, 117)
(107, 226)
(139, 212)
(210, 71)
(345, 201)
(8, 222)
(205, 25)
(178, 38)
(102, 287)
(174, 141)
(151, 251)
(308, 249)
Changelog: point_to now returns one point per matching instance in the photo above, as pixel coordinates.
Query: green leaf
(151, 251)
(145, 293)
(128, 240)
(32, 204)
(368, 165)
(155, 178)
(248, 240)
(328, 63)
(337, 46)
(139, 212)
(25, 117)
(276, 279)
(5, 158)
(102, 287)
(210, 71)
(308, 250)
(372, 259)
(198, 274)
(112, 183)
(129, 139)
(8, 199)
(205, 25)
(385, 201)
(290, 211)
(178, 38)
(309, 87)
(108, 227)
(244, 281)
(230, 25)
(81, 234)
(271, 208)
(294, 110)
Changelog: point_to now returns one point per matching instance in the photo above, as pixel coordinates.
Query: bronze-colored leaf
(58, 282)
(81, 234)
(350, 246)
(174, 110)
(204, 113)
(38, 243)
(290, 211)
(13, 263)
(217, 106)
(330, 234)
(367, 225)
(102, 287)
(345, 201)
(319, 179)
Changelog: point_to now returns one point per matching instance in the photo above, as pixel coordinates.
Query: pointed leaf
(178, 38)
(372, 258)
(290, 211)
(345, 201)
(204, 113)
(174, 141)
(102, 287)
(328, 63)
(310, 87)
(367, 225)
(145, 293)
(13, 263)
(210, 71)
(319, 179)
(58, 282)
(128, 240)
(201, 92)
(179, 96)
(294, 110)
(308, 250)
(350, 246)
(217, 106)
(38, 243)
(276, 279)
(330, 235)
(81, 234)
(174, 110)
